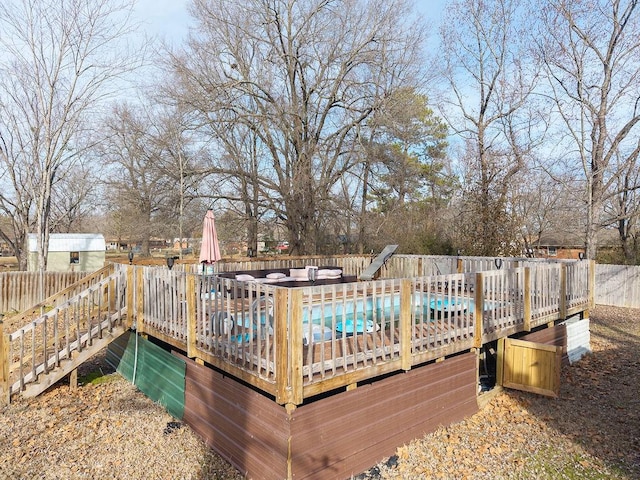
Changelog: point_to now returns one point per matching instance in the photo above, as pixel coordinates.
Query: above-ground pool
(322, 321)
(369, 313)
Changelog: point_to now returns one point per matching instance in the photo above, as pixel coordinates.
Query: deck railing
(298, 342)
(294, 343)
(442, 306)
(60, 333)
(350, 264)
(235, 322)
(580, 281)
(66, 285)
(164, 301)
(21, 290)
(397, 266)
(545, 292)
(349, 327)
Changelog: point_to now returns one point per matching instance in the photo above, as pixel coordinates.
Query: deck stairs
(370, 272)
(58, 368)
(57, 336)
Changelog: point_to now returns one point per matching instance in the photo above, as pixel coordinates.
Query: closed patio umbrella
(210, 250)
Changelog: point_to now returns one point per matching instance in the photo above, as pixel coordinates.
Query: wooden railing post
(111, 291)
(563, 291)
(5, 396)
(460, 266)
(140, 300)
(131, 285)
(288, 344)
(405, 324)
(191, 294)
(478, 312)
(295, 339)
(527, 300)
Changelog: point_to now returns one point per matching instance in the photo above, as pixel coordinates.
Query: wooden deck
(271, 372)
(271, 344)
(372, 328)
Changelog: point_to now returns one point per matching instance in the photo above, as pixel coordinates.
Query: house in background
(562, 245)
(69, 252)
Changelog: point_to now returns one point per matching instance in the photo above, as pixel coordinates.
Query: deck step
(67, 366)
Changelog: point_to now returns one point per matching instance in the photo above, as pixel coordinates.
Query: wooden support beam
(296, 342)
(563, 291)
(500, 362)
(281, 305)
(110, 292)
(73, 379)
(592, 284)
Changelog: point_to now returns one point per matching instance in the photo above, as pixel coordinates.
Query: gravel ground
(106, 429)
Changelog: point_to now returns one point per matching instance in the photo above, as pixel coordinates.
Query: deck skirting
(331, 437)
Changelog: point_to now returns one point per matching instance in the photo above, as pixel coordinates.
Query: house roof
(570, 239)
(561, 239)
(70, 242)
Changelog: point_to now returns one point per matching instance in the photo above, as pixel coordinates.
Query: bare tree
(16, 202)
(543, 205)
(489, 80)
(238, 180)
(303, 76)
(591, 55)
(76, 196)
(622, 208)
(181, 160)
(139, 188)
(59, 59)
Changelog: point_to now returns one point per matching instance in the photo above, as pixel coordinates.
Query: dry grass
(108, 430)
(105, 429)
(592, 431)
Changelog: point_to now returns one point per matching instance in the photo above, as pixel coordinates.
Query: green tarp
(157, 373)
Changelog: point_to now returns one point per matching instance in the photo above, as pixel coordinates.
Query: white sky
(169, 20)
(165, 19)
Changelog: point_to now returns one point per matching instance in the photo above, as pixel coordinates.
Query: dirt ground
(106, 429)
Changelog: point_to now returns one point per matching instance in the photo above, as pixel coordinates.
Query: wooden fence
(350, 264)
(22, 290)
(618, 285)
(397, 266)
